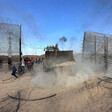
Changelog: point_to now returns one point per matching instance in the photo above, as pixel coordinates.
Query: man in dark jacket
(1, 63)
(9, 63)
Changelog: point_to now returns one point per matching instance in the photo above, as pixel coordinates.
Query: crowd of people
(26, 63)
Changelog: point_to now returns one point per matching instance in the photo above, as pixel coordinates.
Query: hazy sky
(45, 21)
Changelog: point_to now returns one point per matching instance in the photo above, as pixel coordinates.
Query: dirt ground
(93, 95)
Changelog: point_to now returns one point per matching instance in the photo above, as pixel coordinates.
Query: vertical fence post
(106, 52)
(20, 53)
(95, 47)
(83, 46)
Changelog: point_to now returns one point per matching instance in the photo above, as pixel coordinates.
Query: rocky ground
(94, 95)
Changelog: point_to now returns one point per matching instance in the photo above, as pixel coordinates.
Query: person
(20, 69)
(13, 67)
(32, 62)
(1, 62)
(9, 63)
(38, 60)
(23, 65)
(25, 60)
(42, 59)
(29, 65)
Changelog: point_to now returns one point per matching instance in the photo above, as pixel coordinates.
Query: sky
(45, 21)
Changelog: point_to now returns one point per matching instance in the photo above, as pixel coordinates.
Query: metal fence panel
(9, 39)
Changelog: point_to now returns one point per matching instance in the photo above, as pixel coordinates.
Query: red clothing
(29, 63)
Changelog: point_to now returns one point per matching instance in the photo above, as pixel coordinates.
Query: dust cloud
(62, 77)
